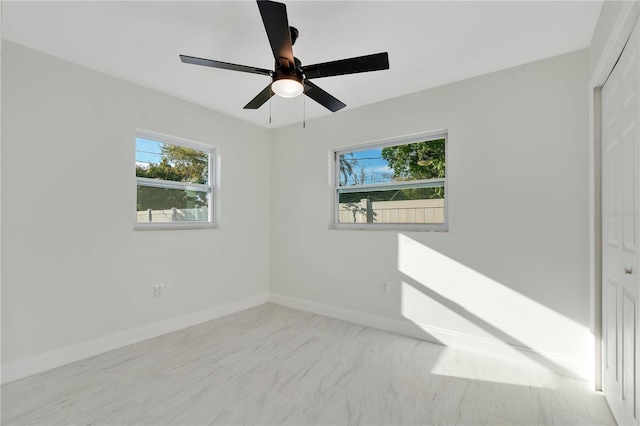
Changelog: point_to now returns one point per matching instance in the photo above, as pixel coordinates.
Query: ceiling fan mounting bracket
(294, 34)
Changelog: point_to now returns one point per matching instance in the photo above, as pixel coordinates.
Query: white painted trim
(475, 344)
(173, 140)
(393, 227)
(392, 141)
(618, 37)
(390, 186)
(159, 183)
(25, 367)
(170, 226)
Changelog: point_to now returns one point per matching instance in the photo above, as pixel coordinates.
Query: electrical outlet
(158, 290)
(385, 287)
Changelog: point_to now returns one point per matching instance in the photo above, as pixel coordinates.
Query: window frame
(336, 189)
(212, 187)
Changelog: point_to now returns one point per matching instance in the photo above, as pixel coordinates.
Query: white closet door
(620, 186)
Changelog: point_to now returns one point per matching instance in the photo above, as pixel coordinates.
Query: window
(174, 179)
(398, 184)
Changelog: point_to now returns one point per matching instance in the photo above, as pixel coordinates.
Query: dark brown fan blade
(260, 99)
(274, 17)
(322, 97)
(223, 65)
(376, 62)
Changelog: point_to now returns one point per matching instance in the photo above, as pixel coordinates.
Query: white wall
(494, 282)
(514, 277)
(68, 141)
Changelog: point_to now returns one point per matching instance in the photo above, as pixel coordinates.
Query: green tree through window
(178, 164)
(420, 160)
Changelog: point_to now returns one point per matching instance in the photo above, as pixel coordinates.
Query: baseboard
(479, 345)
(25, 367)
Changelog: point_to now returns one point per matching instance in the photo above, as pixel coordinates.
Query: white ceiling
(429, 43)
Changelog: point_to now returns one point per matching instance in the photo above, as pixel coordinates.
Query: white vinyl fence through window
(173, 215)
(403, 211)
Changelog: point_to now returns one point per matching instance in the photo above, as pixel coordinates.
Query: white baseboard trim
(478, 345)
(25, 367)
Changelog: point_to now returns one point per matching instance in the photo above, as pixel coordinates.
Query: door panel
(610, 197)
(629, 189)
(628, 353)
(620, 255)
(611, 328)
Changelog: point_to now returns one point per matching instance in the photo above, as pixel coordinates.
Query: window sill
(171, 226)
(394, 227)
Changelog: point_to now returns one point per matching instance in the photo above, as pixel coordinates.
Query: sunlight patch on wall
(466, 308)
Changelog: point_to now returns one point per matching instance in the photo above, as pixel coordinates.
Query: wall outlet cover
(158, 290)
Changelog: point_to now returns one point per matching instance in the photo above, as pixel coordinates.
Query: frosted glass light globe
(287, 88)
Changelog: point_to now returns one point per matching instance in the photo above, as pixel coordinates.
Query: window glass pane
(400, 163)
(172, 205)
(364, 167)
(410, 205)
(156, 160)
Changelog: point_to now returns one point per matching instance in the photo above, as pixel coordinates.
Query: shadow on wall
(439, 294)
(491, 329)
(539, 270)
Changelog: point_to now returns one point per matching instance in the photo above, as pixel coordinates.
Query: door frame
(620, 33)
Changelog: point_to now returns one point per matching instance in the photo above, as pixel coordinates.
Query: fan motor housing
(288, 74)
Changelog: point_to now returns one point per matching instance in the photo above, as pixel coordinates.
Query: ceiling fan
(289, 78)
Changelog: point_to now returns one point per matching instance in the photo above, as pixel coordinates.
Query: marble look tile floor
(276, 365)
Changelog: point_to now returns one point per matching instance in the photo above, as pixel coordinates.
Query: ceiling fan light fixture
(287, 88)
(287, 83)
